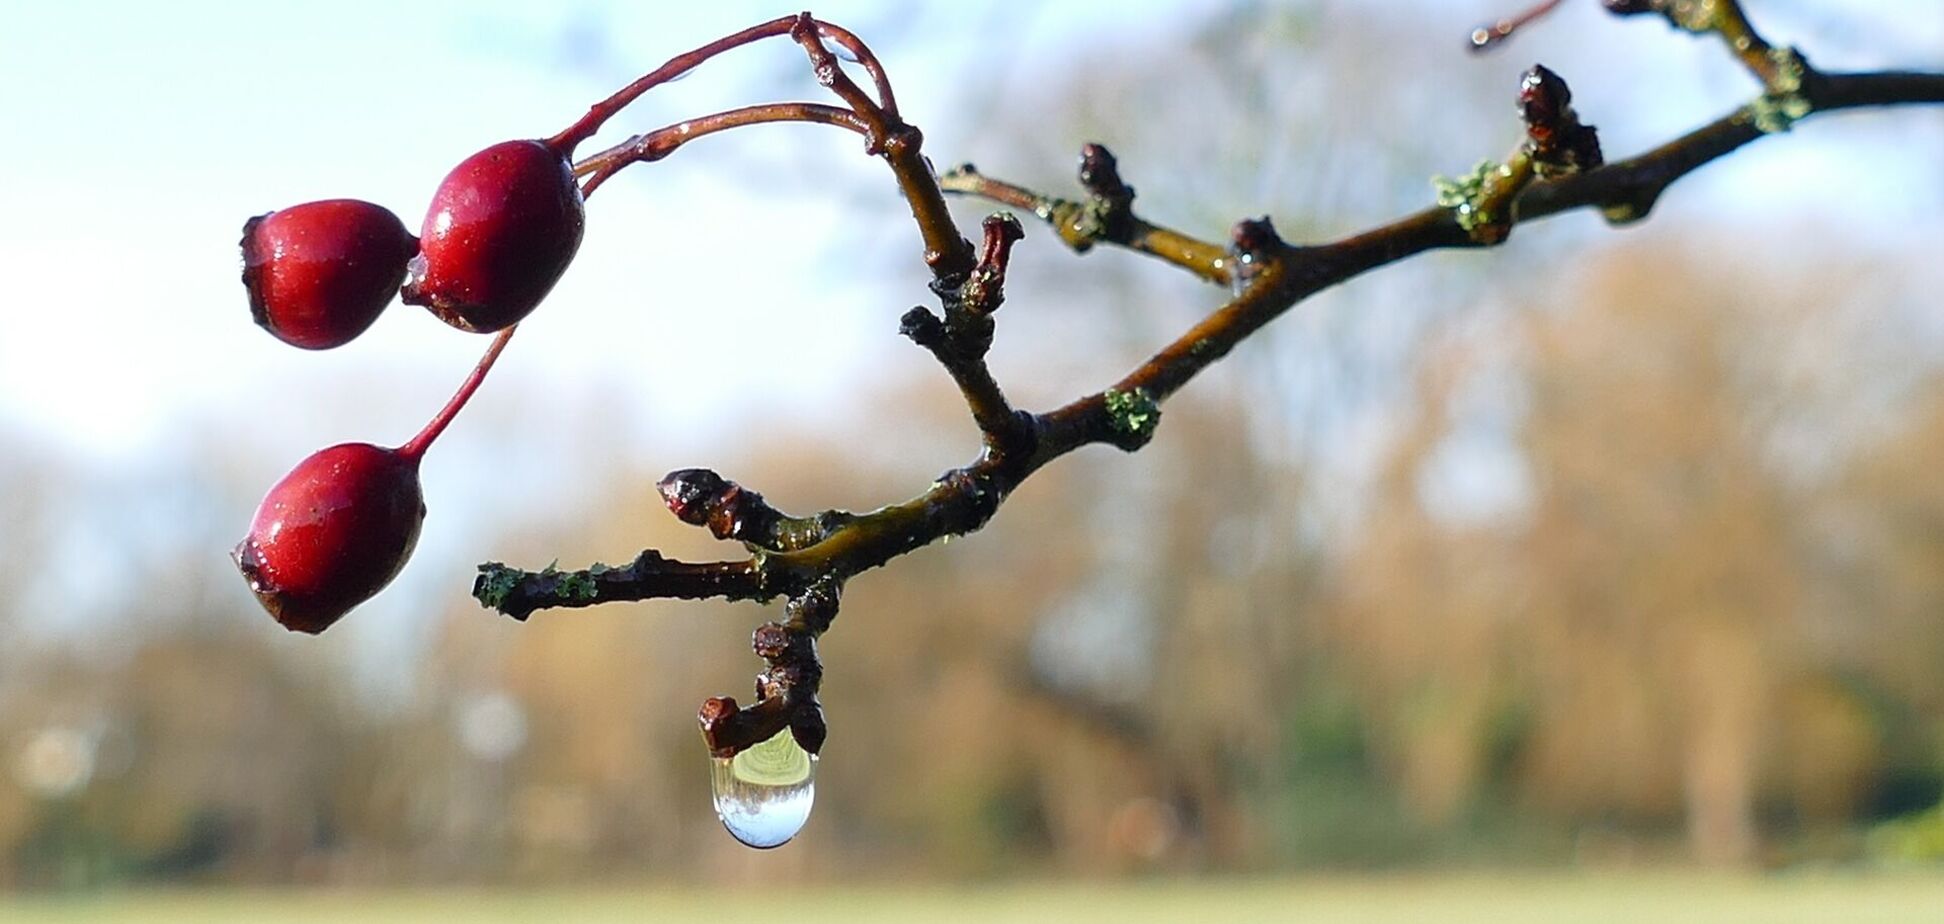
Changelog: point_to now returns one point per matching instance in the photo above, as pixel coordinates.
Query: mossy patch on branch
(1134, 413)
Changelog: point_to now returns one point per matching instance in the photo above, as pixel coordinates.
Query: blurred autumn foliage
(1638, 557)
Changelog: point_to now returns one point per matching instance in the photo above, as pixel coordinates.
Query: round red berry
(319, 273)
(332, 533)
(502, 228)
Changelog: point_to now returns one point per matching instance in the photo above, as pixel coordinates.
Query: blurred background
(1606, 550)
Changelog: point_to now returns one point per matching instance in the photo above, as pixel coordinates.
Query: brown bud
(1544, 99)
(1100, 173)
(1254, 236)
(771, 640)
(690, 493)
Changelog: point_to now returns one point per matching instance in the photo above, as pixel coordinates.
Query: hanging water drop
(763, 794)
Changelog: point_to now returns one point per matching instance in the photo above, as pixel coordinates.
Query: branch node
(814, 609)
(978, 491)
(1481, 201)
(1787, 100)
(786, 690)
(1781, 70)
(923, 328)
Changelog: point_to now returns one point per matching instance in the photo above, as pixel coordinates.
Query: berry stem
(414, 449)
(681, 64)
(600, 112)
(662, 142)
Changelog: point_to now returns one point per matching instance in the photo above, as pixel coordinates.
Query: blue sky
(143, 134)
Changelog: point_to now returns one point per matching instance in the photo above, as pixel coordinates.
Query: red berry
(332, 533)
(503, 226)
(319, 273)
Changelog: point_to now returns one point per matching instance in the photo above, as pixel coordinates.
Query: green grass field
(1363, 899)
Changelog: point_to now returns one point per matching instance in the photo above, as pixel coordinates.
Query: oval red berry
(319, 273)
(332, 533)
(502, 228)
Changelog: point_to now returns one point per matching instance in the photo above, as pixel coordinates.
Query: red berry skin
(503, 226)
(319, 273)
(332, 533)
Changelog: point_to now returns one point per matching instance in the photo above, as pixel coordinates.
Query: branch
(1125, 414)
(518, 593)
(1555, 168)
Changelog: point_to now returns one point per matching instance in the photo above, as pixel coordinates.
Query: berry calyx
(319, 273)
(502, 228)
(335, 530)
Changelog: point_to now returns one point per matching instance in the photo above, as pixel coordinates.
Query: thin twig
(674, 69)
(1081, 224)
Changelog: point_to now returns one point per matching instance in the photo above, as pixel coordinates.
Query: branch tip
(700, 497)
(922, 327)
(984, 290)
(691, 492)
(1100, 174)
(1558, 143)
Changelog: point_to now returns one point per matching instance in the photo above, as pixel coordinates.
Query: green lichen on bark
(1134, 413)
(1463, 194)
(496, 581)
(577, 585)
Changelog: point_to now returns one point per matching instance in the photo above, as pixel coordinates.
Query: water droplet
(763, 794)
(1241, 270)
